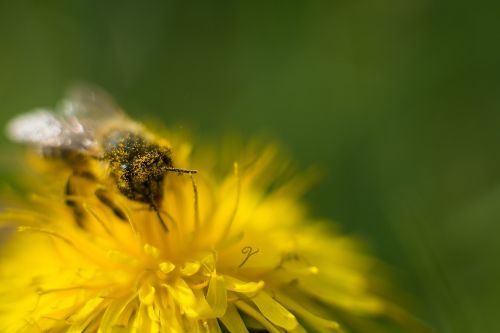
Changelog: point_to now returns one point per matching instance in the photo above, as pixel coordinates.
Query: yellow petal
(232, 320)
(360, 302)
(298, 329)
(216, 295)
(242, 287)
(191, 304)
(255, 318)
(151, 251)
(212, 326)
(147, 294)
(306, 315)
(190, 268)
(85, 316)
(274, 311)
(114, 310)
(184, 296)
(87, 309)
(166, 267)
(153, 313)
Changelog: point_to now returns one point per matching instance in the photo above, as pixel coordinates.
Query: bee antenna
(182, 170)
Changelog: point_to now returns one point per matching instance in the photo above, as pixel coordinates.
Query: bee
(88, 125)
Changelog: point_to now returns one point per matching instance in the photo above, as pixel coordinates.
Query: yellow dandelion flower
(230, 249)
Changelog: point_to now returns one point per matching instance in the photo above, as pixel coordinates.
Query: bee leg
(105, 198)
(78, 210)
(86, 175)
(154, 206)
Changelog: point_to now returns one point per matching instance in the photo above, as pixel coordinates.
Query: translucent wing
(91, 106)
(83, 118)
(43, 128)
(40, 127)
(82, 114)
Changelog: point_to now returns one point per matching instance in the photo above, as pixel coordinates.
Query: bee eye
(125, 166)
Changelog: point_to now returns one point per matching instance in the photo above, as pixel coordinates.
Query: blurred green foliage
(397, 100)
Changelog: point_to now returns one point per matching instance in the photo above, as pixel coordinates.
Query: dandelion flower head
(236, 252)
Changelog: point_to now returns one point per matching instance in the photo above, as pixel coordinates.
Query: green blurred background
(398, 100)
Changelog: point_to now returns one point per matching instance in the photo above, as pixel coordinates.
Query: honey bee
(88, 125)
